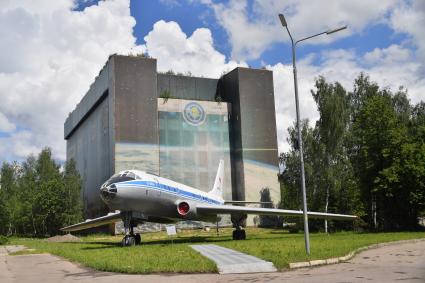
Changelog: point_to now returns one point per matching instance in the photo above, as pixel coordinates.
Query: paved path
(229, 261)
(396, 263)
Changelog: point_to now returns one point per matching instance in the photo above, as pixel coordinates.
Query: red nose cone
(183, 208)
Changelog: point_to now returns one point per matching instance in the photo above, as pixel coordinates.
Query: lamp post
(300, 141)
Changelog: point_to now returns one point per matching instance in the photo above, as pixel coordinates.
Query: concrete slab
(11, 249)
(231, 261)
(5, 274)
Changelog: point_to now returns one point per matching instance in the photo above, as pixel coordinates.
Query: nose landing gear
(130, 238)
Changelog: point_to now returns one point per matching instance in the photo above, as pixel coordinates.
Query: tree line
(364, 156)
(38, 196)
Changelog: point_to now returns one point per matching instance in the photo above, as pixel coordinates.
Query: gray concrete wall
(136, 114)
(253, 132)
(190, 88)
(257, 115)
(89, 147)
(88, 133)
(135, 100)
(229, 91)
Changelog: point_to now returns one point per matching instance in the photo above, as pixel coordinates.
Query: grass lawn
(158, 254)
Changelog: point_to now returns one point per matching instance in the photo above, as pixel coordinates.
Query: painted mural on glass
(193, 137)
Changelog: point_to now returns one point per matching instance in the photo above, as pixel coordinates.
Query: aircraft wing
(90, 223)
(246, 202)
(230, 209)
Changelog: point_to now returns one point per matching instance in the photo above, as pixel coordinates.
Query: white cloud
(49, 56)
(390, 67)
(392, 54)
(409, 17)
(252, 32)
(18, 145)
(5, 125)
(195, 54)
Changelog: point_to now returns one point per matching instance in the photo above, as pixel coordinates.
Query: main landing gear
(238, 223)
(130, 238)
(239, 234)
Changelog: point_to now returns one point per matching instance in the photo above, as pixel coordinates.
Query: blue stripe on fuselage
(169, 189)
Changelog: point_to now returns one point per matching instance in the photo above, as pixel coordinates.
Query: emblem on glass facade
(194, 114)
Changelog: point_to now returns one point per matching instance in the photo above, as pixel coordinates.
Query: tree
(36, 198)
(6, 181)
(27, 188)
(48, 194)
(330, 130)
(388, 158)
(72, 187)
(9, 198)
(290, 176)
(365, 156)
(58, 201)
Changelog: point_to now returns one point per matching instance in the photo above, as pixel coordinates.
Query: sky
(52, 50)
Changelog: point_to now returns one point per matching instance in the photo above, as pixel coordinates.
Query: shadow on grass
(183, 240)
(196, 239)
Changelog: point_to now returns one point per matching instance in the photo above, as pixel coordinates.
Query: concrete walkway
(396, 263)
(231, 261)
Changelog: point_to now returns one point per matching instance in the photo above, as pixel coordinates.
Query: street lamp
(300, 141)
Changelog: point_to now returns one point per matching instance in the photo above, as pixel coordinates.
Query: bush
(294, 229)
(3, 240)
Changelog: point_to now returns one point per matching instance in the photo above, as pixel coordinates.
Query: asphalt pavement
(395, 263)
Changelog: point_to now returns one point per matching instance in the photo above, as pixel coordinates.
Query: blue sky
(375, 36)
(47, 42)
(199, 16)
(191, 15)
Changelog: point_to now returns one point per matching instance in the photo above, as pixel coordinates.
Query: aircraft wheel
(131, 241)
(128, 241)
(239, 235)
(243, 235)
(124, 241)
(138, 239)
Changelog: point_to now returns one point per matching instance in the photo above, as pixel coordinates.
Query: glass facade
(193, 137)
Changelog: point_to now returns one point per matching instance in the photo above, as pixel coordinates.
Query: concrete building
(179, 127)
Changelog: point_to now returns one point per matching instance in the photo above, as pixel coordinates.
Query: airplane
(138, 197)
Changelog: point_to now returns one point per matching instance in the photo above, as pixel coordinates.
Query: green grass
(158, 254)
(282, 248)
(3, 240)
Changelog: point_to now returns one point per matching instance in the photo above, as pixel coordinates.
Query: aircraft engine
(186, 209)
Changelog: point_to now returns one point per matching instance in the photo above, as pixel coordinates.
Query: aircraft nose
(108, 192)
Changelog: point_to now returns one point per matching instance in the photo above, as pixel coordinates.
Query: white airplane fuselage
(156, 197)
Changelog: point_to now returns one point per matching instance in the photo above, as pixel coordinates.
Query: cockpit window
(119, 178)
(131, 175)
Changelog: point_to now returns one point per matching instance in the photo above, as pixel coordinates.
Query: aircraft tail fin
(217, 190)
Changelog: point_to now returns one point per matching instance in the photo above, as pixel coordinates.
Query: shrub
(3, 240)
